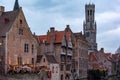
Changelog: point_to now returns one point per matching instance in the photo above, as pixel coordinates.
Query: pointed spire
(16, 6)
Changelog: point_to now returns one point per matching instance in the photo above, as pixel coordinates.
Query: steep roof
(59, 36)
(92, 57)
(97, 60)
(51, 59)
(41, 38)
(108, 56)
(6, 21)
(115, 57)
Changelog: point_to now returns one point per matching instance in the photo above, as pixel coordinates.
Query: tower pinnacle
(16, 5)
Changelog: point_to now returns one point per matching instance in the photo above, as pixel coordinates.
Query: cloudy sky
(43, 14)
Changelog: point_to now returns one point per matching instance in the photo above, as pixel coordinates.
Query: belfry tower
(89, 27)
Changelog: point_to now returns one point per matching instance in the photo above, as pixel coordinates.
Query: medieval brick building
(59, 44)
(101, 61)
(80, 55)
(17, 44)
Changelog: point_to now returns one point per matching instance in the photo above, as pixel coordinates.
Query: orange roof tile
(41, 38)
(59, 36)
(92, 57)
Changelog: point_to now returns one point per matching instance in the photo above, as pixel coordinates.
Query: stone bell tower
(89, 27)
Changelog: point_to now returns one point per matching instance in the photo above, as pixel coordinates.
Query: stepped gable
(6, 21)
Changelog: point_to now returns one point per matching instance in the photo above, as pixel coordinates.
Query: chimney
(2, 8)
(52, 29)
(102, 50)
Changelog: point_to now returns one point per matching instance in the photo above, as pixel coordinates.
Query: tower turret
(16, 6)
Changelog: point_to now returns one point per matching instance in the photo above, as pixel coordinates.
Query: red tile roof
(115, 57)
(96, 63)
(108, 56)
(59, 36)
(92, 57)
(42, 38)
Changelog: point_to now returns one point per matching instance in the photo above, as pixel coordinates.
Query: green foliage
(96, 74)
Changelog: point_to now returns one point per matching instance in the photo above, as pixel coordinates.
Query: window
(90, 12)
(26, 49)
(19, 60)
(69, 58)
(44, 60)
(63, 49)
(20, 21)
(61, 68)
(68, 67)
(32, 60)
(56, 69)
(32, 48)
(6, 20)
(62, 58)
(20, 31)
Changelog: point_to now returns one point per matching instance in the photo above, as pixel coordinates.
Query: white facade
(55, 71)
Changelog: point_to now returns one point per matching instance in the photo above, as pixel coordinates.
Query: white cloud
(107, 17)
(110, 39)
(41, 17)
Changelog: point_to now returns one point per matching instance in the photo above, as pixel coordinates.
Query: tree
(96, 74)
